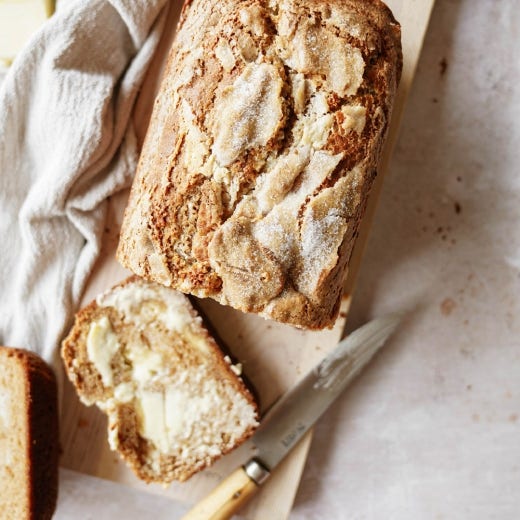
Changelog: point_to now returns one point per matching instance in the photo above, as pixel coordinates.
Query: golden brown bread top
(264, 140)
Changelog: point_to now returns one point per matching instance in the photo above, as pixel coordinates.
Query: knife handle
(230, 495)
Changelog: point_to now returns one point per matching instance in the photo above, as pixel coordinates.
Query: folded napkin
(66, 144)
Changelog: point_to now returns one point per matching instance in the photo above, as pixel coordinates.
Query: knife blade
(293, 415)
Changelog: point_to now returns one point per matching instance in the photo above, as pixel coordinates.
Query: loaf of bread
(29, 437)
(174, 401)
(262, 147)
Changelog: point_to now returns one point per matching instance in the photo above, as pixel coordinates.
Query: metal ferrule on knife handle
(256, 471)
(226, 499)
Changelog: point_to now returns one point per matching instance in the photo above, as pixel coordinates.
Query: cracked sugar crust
(262, 148)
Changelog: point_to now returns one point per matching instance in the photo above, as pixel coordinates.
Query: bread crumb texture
(263, 145)
(174, 401)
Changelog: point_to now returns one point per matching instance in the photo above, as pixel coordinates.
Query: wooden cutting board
(274, 356)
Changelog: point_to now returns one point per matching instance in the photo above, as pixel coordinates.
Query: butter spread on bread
(173, 399)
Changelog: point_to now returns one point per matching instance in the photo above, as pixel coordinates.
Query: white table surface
(432, 429)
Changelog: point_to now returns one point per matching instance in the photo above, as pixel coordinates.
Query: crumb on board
(447, 306)
(443, 66)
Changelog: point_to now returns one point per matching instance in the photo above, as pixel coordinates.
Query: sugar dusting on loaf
(252, 193)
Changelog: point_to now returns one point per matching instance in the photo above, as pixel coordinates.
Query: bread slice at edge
(31, 436)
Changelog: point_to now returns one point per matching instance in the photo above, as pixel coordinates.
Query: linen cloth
(66, 144)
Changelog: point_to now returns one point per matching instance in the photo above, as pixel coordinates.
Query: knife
(292, 416)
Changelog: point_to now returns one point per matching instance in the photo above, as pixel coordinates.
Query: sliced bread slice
(29, 438)
(174, 401)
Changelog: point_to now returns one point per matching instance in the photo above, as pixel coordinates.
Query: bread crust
(42, 440)
(262, 148)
